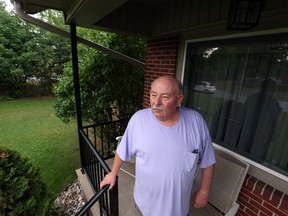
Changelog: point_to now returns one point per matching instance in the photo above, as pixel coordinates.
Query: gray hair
(180, 86)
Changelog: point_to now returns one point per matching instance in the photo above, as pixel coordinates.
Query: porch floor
(126, 178)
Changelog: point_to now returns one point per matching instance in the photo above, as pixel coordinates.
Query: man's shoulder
(192, 115)
(141, 117)
(143, 113)
(190, 112)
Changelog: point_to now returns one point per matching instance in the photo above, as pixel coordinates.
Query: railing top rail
(104, 123)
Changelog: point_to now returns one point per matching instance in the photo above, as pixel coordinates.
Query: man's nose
(158, 100)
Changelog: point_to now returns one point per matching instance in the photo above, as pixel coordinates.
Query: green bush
(22, 191)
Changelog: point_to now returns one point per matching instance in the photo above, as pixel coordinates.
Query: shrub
(22, 191)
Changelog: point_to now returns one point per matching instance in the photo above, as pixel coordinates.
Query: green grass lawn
(30, 127)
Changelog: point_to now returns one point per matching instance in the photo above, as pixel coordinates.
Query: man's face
(164, 99)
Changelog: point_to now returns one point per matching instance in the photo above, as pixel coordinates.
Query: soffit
(95, 14)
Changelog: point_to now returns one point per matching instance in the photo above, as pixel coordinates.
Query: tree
(53, 52)
(28, 53)
(14, 37)
(110, 88)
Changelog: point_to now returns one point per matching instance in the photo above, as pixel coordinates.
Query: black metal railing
(85, 210)
(97, 143)
(103, 136)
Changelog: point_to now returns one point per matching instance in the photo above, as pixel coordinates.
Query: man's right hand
(110, 179)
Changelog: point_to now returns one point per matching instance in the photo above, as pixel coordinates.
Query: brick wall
(161, 55)
(258, 198)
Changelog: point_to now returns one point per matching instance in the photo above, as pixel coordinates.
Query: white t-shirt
(166, 160)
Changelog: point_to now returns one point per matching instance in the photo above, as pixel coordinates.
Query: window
(241, 89)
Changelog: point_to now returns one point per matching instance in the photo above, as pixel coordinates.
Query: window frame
(263, 173)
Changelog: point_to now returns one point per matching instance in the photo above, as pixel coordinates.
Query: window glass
(240, 88)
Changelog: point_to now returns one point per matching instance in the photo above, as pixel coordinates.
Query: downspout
(66, 34)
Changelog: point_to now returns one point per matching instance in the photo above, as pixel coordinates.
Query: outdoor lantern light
(244, 14)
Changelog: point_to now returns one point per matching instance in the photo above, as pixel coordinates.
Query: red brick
(251, 213)
(151, 57)
(160, 66)
(242, 202)
(247, 204)
(156, 62)
(158, 53)
(242, 207)
(240, 212)
(284, 204)
(155, 70)
(261, 208)
(263, 214)
(267, 193)
(164, 71)
(244, 194)
(166, 62)
(275, 210)
(250, 183)
(161, 57)
(251, 195)
(169, 52)
(170, 57)
(276, 197)
(151, 66)
(247, 197)
(259, 188)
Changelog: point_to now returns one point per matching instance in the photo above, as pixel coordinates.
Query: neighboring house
(189, 39)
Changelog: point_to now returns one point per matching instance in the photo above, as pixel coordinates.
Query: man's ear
(179, 99)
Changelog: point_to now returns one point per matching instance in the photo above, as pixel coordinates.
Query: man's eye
(165, 97)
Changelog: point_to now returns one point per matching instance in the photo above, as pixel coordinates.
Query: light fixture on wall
(244, 14)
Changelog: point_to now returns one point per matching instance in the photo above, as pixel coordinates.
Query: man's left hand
(200, 199)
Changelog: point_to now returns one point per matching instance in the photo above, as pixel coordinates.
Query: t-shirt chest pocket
(190, 161)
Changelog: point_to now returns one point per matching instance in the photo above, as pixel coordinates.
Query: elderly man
(169, 142)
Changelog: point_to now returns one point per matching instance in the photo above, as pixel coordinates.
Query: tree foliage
(29, 55)
(110, 88)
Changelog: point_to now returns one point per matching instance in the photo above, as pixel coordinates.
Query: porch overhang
(79, 11)
(154, 18)
(134, 16)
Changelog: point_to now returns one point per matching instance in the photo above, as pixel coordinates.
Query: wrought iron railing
(103, 136)
(97, 143)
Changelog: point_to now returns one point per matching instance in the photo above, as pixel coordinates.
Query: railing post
(77, 95)
(114, 200)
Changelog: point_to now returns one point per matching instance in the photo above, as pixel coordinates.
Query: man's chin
(156, 111)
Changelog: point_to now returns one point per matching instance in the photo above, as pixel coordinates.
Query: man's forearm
(207, 178)
(201, 196)
(116, 165)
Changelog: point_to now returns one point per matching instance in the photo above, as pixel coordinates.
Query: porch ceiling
(153, 18)
(100, 14)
